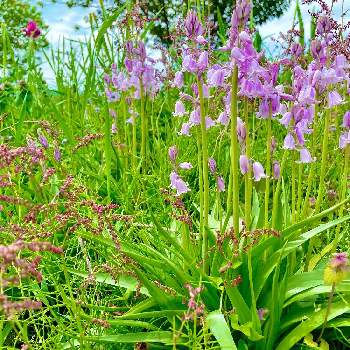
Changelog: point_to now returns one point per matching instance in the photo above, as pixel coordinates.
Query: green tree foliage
(169, 12)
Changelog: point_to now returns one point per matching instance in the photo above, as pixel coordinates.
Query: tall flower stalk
(234, 151)
(204, 157)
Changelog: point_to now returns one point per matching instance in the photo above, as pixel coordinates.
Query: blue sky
(62, 21)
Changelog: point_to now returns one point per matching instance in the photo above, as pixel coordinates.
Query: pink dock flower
(178, 184)
(32, 30)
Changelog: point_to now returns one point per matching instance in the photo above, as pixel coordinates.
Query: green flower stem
(321, 185)
(234, 151)
(268, 170)
(343, 186)
(300, 187)
(143, 128)
(329, 304)
(200, 179)
(248, 176)
(277, 191)
(205, 177)
(313, 164)
(293, 189)
(4, 48)
(134, 142)
(126, 134)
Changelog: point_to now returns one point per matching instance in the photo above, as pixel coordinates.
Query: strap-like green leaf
(221, 331)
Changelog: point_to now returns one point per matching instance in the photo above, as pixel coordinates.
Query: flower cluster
(32, 30)
(9, 258)
(194, 307)
(176, 182)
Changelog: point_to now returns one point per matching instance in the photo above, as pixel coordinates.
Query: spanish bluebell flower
(244, 164)
(305, 156)
(209, 122)
(346, 120)
(216, 77)
(57, 154)
(323, 25)
(276, 170)
(172, 152)
(185, 165)
(241, 130)
(289, 142)
(178, 80)
(220, 183)
(344, 139)
(179, 109)
(185, 129)
(193, 25)
(212, 165)
(178, 184)
(318, 51)
(43, 141)
(195, 117)
(223, 118)
(258, 171)
(334, 99)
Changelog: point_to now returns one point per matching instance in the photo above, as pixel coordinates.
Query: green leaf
(163, 337)
(221, 331)
(314, 321)
(239, 304)
(126, 281)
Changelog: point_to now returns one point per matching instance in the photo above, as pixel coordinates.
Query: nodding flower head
(258, 171)
(337, 268)
(32, 30)
(193, 25)
(178, 184)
